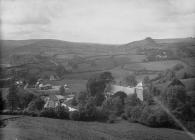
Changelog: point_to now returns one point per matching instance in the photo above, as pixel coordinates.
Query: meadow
(31, 128)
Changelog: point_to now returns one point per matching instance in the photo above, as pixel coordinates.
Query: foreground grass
(29, 128)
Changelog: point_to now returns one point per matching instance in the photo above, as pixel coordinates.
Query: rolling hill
(43, 56)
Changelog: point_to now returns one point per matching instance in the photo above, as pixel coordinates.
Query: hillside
(42, 57)
(28, 128)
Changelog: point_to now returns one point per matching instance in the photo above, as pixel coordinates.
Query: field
(82, 60)
(155, 66)
(37, 128)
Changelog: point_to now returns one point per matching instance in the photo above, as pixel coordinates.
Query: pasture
(155, 66)
(37, 128)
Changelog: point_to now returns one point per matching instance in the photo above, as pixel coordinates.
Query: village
(57, 95)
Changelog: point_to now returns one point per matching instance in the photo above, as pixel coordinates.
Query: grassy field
(29, 128)
(155, 66)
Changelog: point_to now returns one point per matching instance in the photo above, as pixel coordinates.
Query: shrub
(111, 118)
(124, 116)
(36, 104)
(155, 116)
(2, 124)
(100, 114)
(75, 115)
(74, 101)
(49, 112)
(2, 102)
(136, 113)
(6, 112)
(178, 67)
(12, 98)
(62, 112)
(25, 98)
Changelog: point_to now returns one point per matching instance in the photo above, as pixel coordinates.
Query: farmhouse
(45, 87)
(138, 90)
(53, 101)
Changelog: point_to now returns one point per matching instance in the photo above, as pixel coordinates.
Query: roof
(60, 97)
(176, 82)
(56, 97)
(117, 88)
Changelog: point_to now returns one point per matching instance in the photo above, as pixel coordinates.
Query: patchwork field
(155, 66)
(29, 128)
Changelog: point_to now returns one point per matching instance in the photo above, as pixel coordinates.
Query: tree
(32, 79)
(88, 110)
(62, 90)
(74, 101)
(118, 106)
(107, 76)
(74, 115)
(130, 103)
(2, 102)
(121, 95)
(62, 112)
(148, 97)
(132, 100)
(178, 67)
(131, 80)
(25, 98)
(12, 98)
(169, 75)
(96, 86)
(82, 97)
(36, 104)
(113, 105)
(146, 80)
(60, 70)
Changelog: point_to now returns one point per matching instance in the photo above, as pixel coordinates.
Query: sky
(98, 21)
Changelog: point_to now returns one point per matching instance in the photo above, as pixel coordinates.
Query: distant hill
(146, 43)
(176, 40)
(36, 46)
(44, 55)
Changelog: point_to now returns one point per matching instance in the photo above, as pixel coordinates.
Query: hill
(42, 57)
(145, 43)
(29, 128)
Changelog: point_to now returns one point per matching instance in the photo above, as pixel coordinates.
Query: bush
(59, 112)
(49, 112)
(155, 116)
(111, 118)
(6, 112)
(62, 112)
(178, 67)
(25, 98)
(2, 124)
(74, 101)
(75, 115)
(100, 114)
(31, 113)
(136, 113)
(36, 104)
(124, 116)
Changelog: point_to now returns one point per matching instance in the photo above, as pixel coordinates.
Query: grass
(29, 128)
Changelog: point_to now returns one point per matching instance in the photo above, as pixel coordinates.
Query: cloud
(24, 12)
(110, 21)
